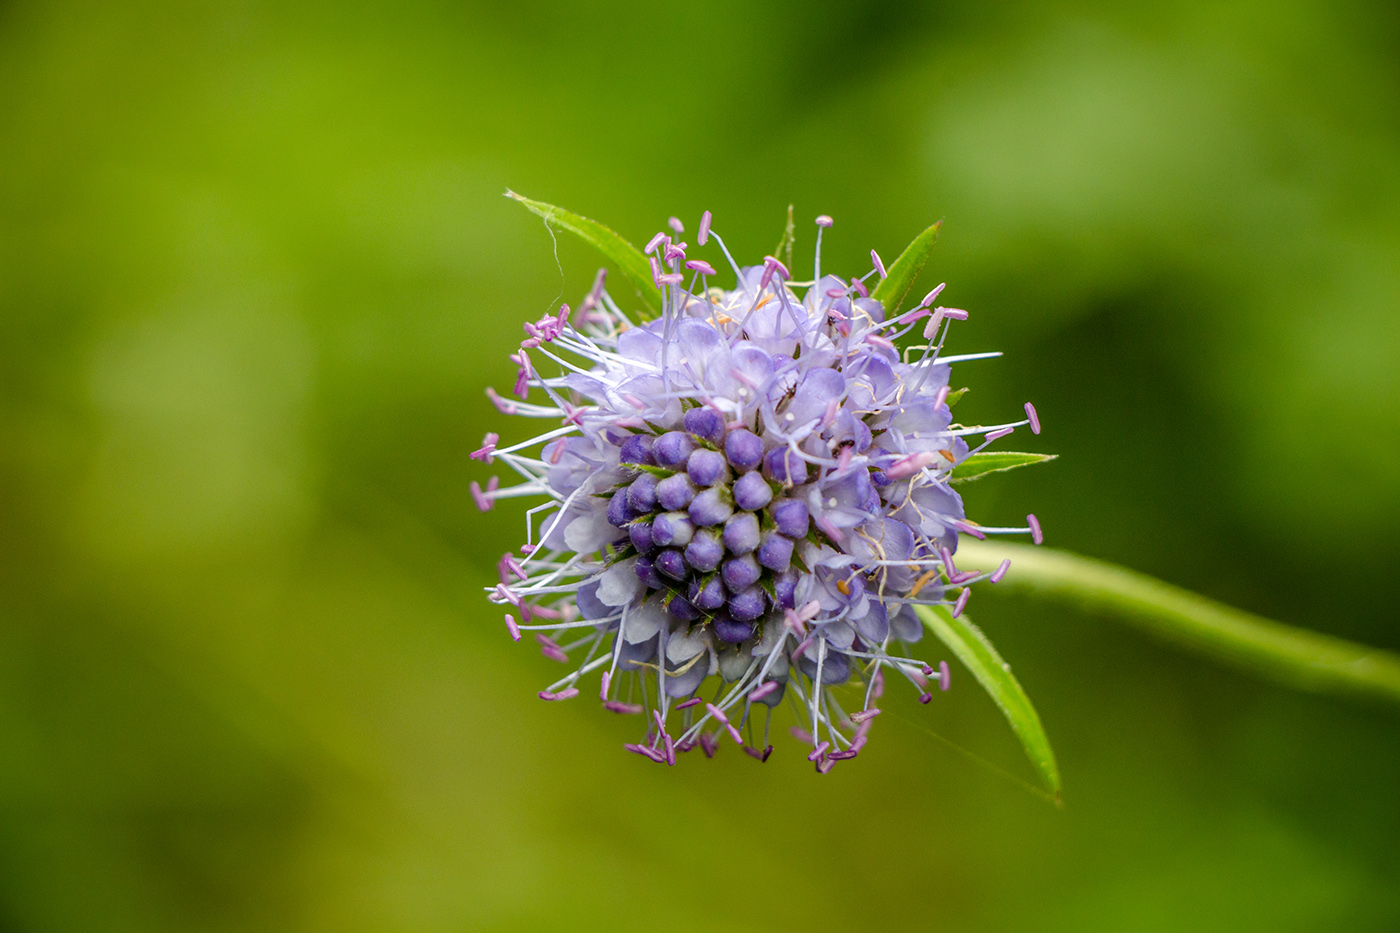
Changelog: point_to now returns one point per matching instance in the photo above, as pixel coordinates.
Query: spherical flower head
(753, 489)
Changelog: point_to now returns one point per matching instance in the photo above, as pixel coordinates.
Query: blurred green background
(256, 272)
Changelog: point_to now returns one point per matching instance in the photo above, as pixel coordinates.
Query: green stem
(1297, 657)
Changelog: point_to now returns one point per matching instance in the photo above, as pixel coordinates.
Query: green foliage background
(256, 271)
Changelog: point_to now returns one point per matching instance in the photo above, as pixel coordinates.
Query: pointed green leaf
(893, 287)
(628, 259)
(1295, 656)
(995, 462)
(978, 656)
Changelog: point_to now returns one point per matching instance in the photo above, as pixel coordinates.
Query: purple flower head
(754, 487)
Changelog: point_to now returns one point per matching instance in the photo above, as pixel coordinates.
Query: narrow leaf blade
(893, 287)
(995, 462)
(628, 259)
(977, 654)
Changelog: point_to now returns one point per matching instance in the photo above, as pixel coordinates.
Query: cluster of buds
(751, 489)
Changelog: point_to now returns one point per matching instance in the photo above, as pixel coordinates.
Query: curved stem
(1297, 657)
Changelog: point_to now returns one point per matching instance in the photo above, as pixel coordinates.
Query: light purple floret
(744, 449)
(752, 492)
(741, 533)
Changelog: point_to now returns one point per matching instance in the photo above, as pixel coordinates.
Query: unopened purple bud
(619, 513)
(741, 533)
(637, 449)
(707, 467)
(785, 588)
(704, 232)
(646, 572)
(784, 466)
(790, 515)
(732, 631)
(748, 604)
(823, 221)
(705, 550)
(675, 224)
(706, 424)
(740, 573)
(752, 492)
(641, 495)
(672, 449)
(708, 594)
(743, 448)
(672, 563)
(675, 492)
(671, 529)
(681, 608)
(775, 552)
(642, 538)
(712, 507)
